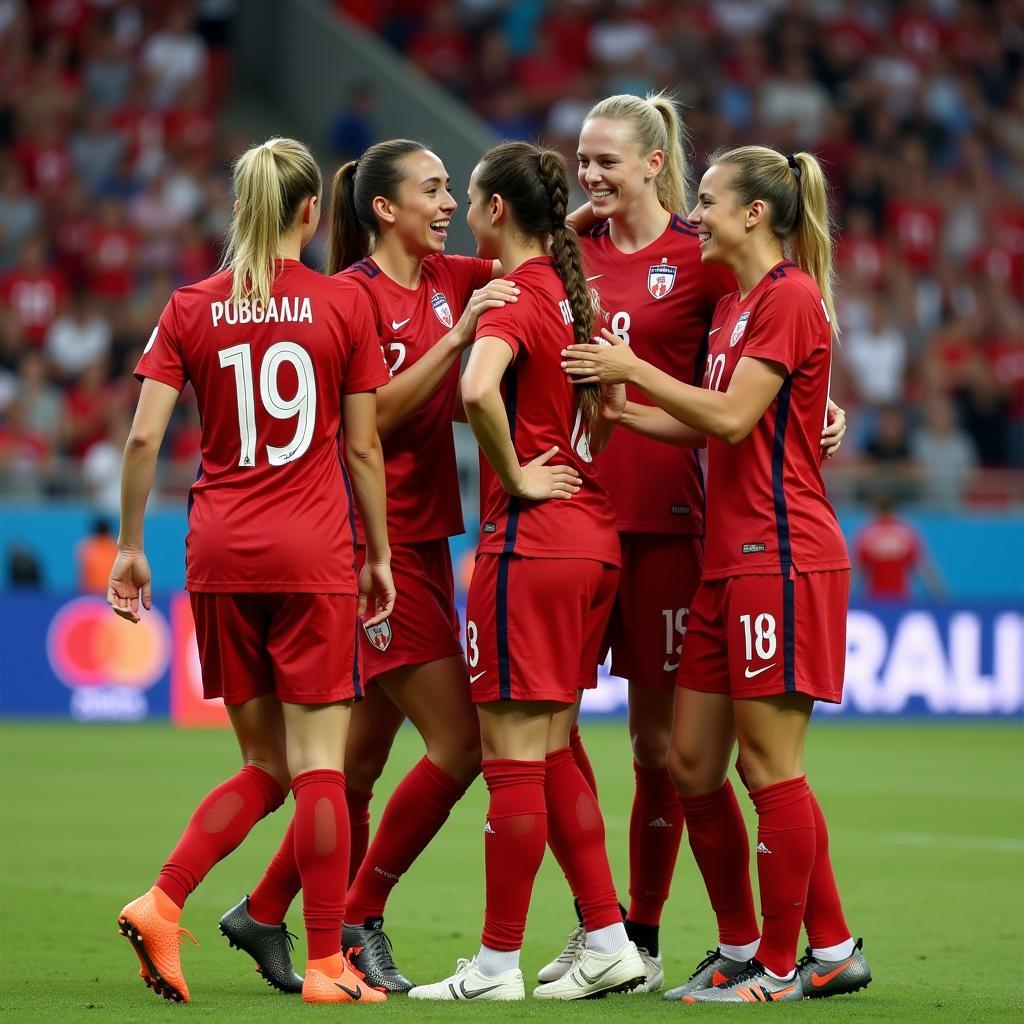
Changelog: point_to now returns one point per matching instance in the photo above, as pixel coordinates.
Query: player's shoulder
(680, 226)
(216, 285)
(595, 233)
(363, 273)
(792, 290)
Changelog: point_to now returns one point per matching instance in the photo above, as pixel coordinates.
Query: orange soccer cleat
(335, 980)
(150, 924)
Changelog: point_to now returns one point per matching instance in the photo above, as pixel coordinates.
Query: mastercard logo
(88, 645)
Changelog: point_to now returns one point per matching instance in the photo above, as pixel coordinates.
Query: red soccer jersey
(766, 504)
(887, 552)
(542, 412)
(423, 478)
(269, 510)
(660, 300)
(35, 297)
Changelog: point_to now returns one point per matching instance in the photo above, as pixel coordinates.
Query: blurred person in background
(887, 459)
(80, 336)
(945, 455)
(95, 555)
(887, 553)
(33, 291)
(23, 569)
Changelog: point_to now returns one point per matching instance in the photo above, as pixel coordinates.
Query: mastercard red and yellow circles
(88, 645)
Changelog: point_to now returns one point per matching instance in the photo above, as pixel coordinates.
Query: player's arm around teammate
(767, 630)
(269, 567)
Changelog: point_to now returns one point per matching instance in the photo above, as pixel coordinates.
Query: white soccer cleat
(561, 964)
(655, 970)
(469, 983)
(596, 975)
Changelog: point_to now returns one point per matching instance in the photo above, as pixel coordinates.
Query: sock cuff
(780, 794)
(315, 775)
(501, 772)
(269, 787)
(559, 759)
(440, 777)
(702, 806)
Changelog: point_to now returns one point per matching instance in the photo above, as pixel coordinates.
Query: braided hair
(534, 183)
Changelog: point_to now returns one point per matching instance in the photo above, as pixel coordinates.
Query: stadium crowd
(113, 185)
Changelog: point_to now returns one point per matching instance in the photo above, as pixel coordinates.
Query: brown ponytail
(352, 228)
(535, 184)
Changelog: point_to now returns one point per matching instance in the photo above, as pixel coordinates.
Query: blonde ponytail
(656, 124)
(271, 182)
(796, 192)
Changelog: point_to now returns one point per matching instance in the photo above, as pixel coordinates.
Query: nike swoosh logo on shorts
(713, 330)
(397, 325)
(473, 679)
(473, 993)
(356, 993)
(757, 671)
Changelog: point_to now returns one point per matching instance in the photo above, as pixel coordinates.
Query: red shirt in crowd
(887, 552)
(34, 297)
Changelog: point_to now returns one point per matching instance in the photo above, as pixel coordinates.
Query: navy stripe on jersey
(364, 266)
(776, 273)
(355, 568)
(511, 400)
(782, 529)
(501, 615)
(191, 496)
(683, 226)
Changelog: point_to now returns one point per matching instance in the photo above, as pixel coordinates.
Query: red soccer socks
(785, 857)
(823, 918)
(579, 755)
(359, 827)
(514, 839)
(576, 836)
(219, 824)
(418, 808)
(718, 838)
(655, 829)
(321, 853)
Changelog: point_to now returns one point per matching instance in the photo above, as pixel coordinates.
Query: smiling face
(612, 170)
(721, 221)
(423, 209)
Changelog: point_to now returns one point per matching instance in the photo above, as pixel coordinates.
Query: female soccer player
(766, 631)
(542, 589)
(282, 361)
(643, 259)
(394, 202)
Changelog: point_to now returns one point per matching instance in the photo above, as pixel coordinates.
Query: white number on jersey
(397, 349)
(675, 625)
(580, 439)
(763, 639)
(301, 406)
(472, 650)
(620, 325)
(565, 308)
(714, 371)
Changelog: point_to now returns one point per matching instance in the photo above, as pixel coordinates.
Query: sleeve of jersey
(366, 369)
(469, 273)
(501, 323)
(787, 328)
(161, 359)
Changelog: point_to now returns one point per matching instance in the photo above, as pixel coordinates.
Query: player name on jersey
(280, 309)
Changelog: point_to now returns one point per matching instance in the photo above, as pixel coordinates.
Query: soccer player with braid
(767, 626)
(273, 582)
(543, 585)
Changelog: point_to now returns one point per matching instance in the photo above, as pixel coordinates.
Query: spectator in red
(33, 292)
(441, 48)
(888, 551)
(87, 410)
(73, 229)
(114, 258)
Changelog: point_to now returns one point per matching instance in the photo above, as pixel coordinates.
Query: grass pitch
(927, 826)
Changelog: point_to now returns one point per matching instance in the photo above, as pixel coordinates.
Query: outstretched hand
(608, 362)
(130, 582)
(493, 295)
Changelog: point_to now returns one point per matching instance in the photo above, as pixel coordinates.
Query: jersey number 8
(301, 406)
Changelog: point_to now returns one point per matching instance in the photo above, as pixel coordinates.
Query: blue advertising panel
(74, 657)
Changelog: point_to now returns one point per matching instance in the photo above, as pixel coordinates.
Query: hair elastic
(797, 169)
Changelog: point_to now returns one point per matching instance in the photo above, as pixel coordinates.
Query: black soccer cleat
(368, 948)
(268, 944)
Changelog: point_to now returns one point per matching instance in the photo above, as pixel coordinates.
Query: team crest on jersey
(379, 635)
(442, 310)
(661, 280)
(737, 331)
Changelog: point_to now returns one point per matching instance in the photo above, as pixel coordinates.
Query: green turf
(926, 831)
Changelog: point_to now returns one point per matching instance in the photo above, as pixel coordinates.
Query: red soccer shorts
(424, 625)
(534, 626)
(660, 575)
(300, 646)
(756, 636)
